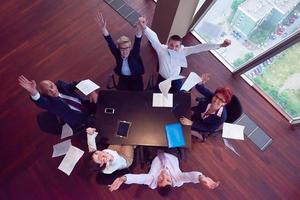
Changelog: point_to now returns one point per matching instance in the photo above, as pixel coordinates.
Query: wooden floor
(60, 40)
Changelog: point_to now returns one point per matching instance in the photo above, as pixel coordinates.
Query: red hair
(226, 92)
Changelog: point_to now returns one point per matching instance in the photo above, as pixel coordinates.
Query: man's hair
(226, 92)
(123, 40)
(164, 191)
(176, 38)
(93, 166)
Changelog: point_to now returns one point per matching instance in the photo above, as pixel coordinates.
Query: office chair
(49, 123)
(111, 82)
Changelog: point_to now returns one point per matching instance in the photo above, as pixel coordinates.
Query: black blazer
(56, 106)
(210, 123)
(134, 59)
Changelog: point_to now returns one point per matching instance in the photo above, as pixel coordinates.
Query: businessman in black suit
(61, 99)
(129, 65)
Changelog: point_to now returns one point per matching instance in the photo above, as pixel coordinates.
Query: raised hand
(205, 77)
(93, 97)
(90, 131)
(117, 183)
(102, 23)
(30, 86)
(142, 22)
(226, 43)
(185, 121)
(209, 183)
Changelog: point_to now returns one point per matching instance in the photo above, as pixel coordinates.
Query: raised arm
(204, 47)
(145, 179)
(30, 86)
(102, 23)
(150, 34)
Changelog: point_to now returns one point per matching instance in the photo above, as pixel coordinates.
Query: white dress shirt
(117, 163)
(169, 163)
(170, 62)
(125, 70)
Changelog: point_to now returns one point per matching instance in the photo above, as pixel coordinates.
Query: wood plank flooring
(59, 39)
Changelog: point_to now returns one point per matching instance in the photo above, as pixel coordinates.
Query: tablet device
(109, 110)
(123, 128)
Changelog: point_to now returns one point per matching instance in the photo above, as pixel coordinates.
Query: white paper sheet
(227, 144)
(91, 141)
(159, 100)
(66, 131)
(71, 158)
(87, 86)
(192, 80)
(233, 131)
(165, 85)
(61, 148)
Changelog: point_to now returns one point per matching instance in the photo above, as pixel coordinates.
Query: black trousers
(134, 83)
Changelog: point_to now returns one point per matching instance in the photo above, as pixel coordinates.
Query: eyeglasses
(124, 48)
(220, 98)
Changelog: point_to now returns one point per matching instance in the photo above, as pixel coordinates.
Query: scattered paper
(71, 158)
(233, 131)
(87, 86)
(159, 100)
(165, 85)
(61, 148)
(227, 144)
(91, 140)
(66, 131)
(192, 80)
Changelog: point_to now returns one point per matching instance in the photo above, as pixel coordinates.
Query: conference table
(147, 122)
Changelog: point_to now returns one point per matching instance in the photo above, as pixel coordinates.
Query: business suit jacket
(213, 121)
(134, 59)
(58, 107)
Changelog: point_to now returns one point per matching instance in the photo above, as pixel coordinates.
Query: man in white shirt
(115, 157)
(164, 173)
(172, 57)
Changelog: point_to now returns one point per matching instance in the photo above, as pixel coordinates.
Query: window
(278, 79)
(253, 26)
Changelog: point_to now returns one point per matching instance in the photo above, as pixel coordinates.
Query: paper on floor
(227, 144)
(71, 158)
(91, 140)
(61, 148)
(192, 80)
(87, 86)
(233, 131)
(66, 131)
(159, 100)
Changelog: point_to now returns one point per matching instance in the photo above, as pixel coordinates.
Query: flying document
(192, 80)
(233, 131)
(165, 85)
(71, 158)
(61, 148)
(66, 131)
(87, 86)
(227, 144)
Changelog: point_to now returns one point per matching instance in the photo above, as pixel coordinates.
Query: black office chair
(234, 110)
(49, 123)
(111, 83)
